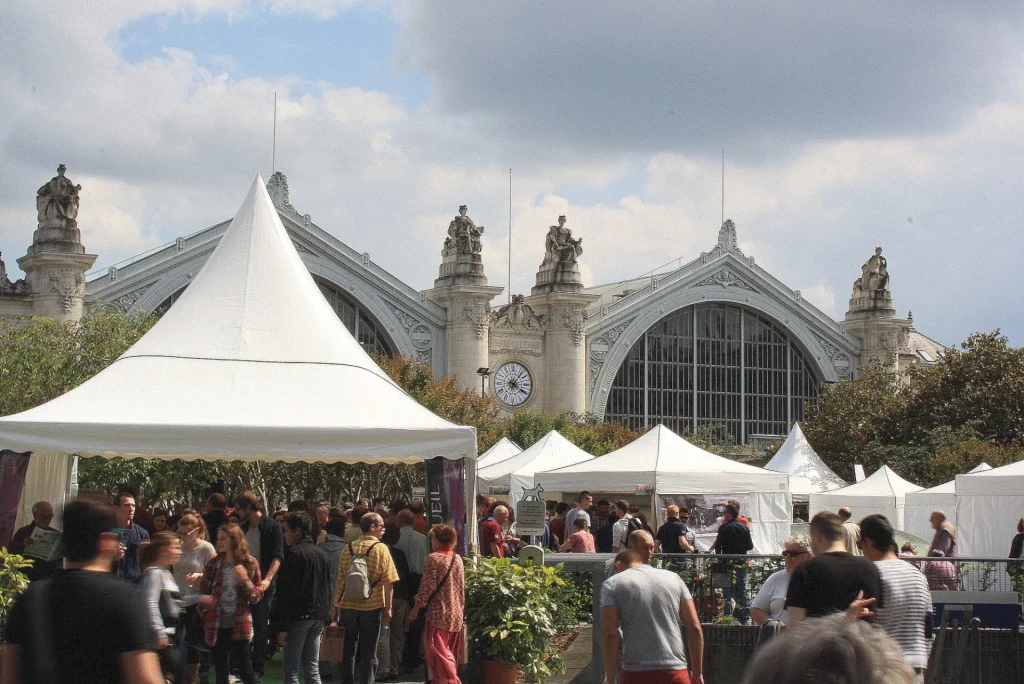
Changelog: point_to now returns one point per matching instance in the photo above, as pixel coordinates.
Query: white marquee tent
(502, 450)
(807, 472)
(988, 506)
(550, 452)
(672, 465)
(884, 492)
(250, 363)
(921, 504)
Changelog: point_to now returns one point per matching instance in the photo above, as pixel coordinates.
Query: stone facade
(558, 348)
(56, 262)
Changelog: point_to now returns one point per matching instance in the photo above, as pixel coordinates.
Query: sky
(844, 126)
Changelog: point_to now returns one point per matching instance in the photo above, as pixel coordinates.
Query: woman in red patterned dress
(443, 594)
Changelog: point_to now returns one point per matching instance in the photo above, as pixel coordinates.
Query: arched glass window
(366, 331)
(359, 323)
(714, 365)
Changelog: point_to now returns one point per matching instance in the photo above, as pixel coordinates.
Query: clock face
(513, 384)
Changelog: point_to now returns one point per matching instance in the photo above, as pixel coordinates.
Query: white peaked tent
(921, 504)
(884, 492)
(250, 363)
(503, 450)
(517, 473)
(675, 466)
(807, 472)
(988, 506)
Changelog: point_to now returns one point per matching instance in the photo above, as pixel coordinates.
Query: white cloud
(165, 147)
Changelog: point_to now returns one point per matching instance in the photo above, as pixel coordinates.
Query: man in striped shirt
(907, 603)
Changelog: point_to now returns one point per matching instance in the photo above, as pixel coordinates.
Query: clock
(513, 384)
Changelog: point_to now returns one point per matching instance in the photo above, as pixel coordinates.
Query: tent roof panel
(251, 361)
(807, 472)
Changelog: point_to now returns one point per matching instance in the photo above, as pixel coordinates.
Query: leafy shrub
(510, 614)
(12, 582)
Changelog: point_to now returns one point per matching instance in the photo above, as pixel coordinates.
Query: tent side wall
(889, 506)
(48, 479)
(918, 510)
(987, 509)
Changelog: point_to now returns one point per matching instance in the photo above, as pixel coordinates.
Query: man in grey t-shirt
(648, 604)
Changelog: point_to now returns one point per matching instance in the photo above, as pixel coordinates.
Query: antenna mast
(723, 186)
(509, 236)
(273, 157)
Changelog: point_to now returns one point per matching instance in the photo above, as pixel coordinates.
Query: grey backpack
(357, 581)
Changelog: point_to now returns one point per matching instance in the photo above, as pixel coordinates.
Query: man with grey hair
(770, 602)
(835, 649)
(945, 534)
(42, 516)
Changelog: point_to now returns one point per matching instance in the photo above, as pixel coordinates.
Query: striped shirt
(380, 569)
(906, 601)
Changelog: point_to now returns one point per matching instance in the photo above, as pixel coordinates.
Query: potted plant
(510, 618)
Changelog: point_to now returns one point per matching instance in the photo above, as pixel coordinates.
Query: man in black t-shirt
(672, 535)
(83, 625)
(831, 580)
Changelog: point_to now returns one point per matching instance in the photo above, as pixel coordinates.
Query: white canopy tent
(250, 363)
(674, 466)
(988, 506)
(807, 472)
(920, 505)
(502, 450)
(517, 473)
(883, 492)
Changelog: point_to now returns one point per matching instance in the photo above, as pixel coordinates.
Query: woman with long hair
(196, 552)
(164, 599)
(233, 578)
(443, 595)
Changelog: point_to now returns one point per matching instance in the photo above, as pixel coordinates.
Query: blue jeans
(303, 651)
(738, 591)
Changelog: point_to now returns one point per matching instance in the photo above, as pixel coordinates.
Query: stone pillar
(461, 288)
(872, 316)
(564, 381)
(558, 296)
(56, 262)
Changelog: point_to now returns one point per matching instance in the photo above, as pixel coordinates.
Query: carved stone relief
(67, 284)
(725, 278)
(125, 302)
(517, 316)
(601, 346)
(474, 311)
(572, 317)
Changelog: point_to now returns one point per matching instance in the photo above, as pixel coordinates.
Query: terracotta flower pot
(499, 673)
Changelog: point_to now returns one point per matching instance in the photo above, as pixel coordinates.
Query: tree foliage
(940, 420)
(42, 359)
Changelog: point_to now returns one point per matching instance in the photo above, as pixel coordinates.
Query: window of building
(714, 365)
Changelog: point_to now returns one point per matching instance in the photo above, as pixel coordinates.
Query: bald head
(642, 543)
(845, 513)
(672, 512)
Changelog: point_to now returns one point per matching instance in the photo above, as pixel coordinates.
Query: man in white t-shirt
(648, 605)
(621, 528)
(583, 502)
(770, 602)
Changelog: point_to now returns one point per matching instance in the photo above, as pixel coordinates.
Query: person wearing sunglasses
(770, 602)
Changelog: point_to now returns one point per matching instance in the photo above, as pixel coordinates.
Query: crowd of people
(147, 597)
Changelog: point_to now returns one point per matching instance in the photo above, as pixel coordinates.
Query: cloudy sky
(845, 126)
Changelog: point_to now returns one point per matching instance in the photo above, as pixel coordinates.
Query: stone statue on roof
(559, 246)
(874, 275)
(57, 201)
(463, 235)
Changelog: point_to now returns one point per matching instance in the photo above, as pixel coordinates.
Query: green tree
(42, 359)
(937, 421)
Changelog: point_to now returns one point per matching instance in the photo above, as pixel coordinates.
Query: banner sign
(498, 490)
(446, 495)
(706, 510)
(419, 493)
(643, 489)
(13, 467)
